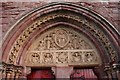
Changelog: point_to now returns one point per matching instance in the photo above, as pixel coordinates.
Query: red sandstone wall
(12, 11)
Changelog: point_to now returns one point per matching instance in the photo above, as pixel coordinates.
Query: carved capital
(107, 68)
(116, 70)
(1, 67)
(19, 70)
(116, 67)
(10, 68)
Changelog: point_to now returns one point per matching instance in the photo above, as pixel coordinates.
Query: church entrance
(67, 37)
(62, 49)
(76, 74)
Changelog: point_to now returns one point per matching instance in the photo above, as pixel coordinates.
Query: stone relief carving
(76, 57)
(35, 58)
(48, 58)
(23, 37)
(62, 57)
(90, 56)
(61, 38)
(62, 46)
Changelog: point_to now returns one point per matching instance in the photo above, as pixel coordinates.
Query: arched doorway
(70, 35)
(62, 46)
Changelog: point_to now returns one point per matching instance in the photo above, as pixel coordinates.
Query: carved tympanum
(62, 46)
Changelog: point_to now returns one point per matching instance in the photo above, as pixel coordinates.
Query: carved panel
(62, 46)
(36, 25)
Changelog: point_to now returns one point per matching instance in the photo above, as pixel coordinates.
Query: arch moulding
(71, 17)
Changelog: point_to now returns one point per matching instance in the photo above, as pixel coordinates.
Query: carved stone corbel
(25, 72)
(62, 72)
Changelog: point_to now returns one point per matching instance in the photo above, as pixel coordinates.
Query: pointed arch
(97, 28)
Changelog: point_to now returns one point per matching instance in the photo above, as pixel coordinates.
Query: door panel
(83, 74)
(41, 74)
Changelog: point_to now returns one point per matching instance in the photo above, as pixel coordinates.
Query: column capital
(9, 68)
(107, 68)
(116, 66)
(116, 70)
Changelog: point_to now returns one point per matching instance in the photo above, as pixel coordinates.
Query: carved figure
(61, 38)
(76, 57)
(89, 57)
(48, 58)
(62, 57)
(35, 58)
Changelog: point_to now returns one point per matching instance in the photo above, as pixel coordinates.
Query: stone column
(116, 71)
(1, 71)
(99, 72)
(62, 72)
(18, 72)
(25, 72)
(108, 71)
(10, 71)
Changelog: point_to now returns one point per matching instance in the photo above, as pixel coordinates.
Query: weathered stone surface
(12, 11)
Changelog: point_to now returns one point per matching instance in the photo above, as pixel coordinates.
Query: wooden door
(83, 74)
(41, 74)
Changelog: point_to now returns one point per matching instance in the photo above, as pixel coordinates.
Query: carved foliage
(23, 37)
(62, 46)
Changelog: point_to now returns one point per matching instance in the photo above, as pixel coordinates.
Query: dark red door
(38, 74)
(83, 74)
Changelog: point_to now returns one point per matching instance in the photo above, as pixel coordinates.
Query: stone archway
(61, 47)
(98, 31)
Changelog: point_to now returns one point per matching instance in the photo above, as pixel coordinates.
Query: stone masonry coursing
(13, 11)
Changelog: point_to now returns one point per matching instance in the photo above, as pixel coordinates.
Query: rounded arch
(99, 29)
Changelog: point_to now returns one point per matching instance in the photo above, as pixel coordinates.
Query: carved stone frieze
(62, 46)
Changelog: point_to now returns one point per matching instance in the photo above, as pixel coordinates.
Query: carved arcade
(62, 47)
